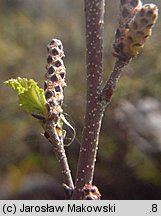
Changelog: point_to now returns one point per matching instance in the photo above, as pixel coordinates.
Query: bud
(90, 192)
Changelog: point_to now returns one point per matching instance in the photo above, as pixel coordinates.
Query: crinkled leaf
(31, 96)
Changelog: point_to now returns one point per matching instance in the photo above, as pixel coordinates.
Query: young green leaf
(31, 96)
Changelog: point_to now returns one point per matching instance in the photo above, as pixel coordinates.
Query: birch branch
(94, 14)
(53, 87)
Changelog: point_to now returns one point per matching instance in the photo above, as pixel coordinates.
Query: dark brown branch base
(110, 85)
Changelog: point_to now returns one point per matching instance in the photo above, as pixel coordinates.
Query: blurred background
(129, 158)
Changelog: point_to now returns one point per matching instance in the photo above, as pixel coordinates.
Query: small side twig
(53, 87)
(111, 83)
(59, 151)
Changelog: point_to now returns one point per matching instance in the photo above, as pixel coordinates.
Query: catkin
(54, 85)
(135, 26)
(54, 79)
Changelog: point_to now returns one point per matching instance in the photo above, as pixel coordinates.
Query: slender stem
(94, 13)
(110, 85)
(60, 154)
